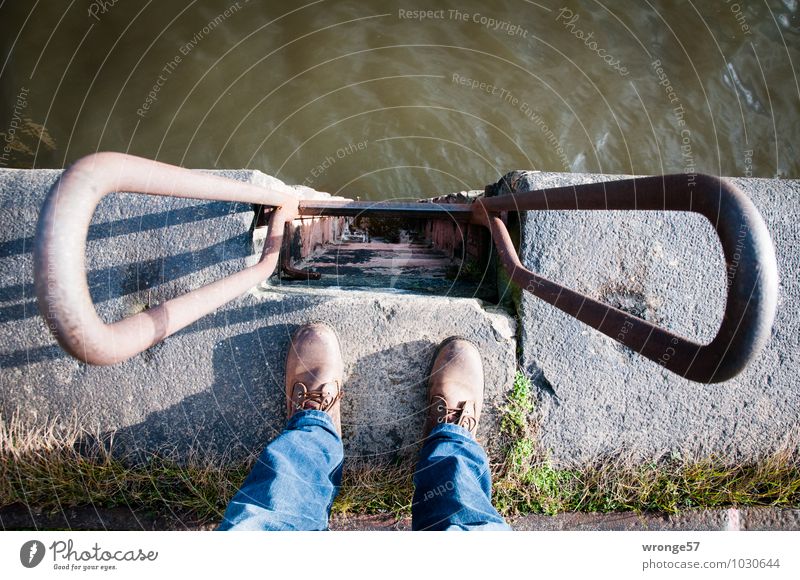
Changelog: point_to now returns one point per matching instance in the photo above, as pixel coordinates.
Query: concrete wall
(218, 384)
(596, 397)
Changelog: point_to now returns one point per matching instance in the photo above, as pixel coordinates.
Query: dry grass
(373, 489)
(667, 487)
(53, 468)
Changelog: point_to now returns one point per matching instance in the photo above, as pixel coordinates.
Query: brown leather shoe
(314, 372)
(455, 387)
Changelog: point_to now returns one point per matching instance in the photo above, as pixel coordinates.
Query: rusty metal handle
(59, 253)
(751, 268)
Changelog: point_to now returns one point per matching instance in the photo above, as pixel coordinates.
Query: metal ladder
(66, 305)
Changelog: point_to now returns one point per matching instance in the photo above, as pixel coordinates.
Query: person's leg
(294, 481)
(452, 481)
(453, 485)
(297, 477)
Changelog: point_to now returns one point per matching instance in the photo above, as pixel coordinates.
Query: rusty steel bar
(414, 210)
(59, 254)
(751, 268)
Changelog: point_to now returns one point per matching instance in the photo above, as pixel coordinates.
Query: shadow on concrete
(383, 414)
(23, 357)
(218, 319)
(113, 282)
(241, 411)
(133, 225)
(244, 408)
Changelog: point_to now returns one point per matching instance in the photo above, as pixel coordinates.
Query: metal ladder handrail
(65, 303)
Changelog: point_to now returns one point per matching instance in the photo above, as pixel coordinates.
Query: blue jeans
(297, 477)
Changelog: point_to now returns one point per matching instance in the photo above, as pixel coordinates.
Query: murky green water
(376, 99)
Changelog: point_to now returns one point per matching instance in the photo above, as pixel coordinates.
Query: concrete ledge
(733, 519)
(94, 517)
(596, 397)
(218, 385)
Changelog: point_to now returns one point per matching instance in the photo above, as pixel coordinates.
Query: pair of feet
(315, 373)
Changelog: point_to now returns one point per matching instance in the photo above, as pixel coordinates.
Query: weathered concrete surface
(218, 385)
(595, 396)
(733, 519)
(19, 517)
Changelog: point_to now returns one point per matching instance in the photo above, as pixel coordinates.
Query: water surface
(377, 99)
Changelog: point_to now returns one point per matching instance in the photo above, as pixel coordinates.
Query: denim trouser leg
(294, 481)
(453, 485)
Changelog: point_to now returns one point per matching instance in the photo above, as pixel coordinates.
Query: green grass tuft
(515, 419)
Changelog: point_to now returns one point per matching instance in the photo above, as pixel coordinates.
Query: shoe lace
(318, 400)
(455, 415)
